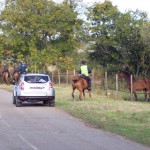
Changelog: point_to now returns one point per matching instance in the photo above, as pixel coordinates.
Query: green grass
(127, 118)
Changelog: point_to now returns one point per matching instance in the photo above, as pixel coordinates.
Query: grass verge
(127, 118)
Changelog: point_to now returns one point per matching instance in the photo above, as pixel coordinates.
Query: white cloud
(123, 5)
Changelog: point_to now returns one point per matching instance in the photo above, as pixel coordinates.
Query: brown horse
(137, 84)
(80, 84)
(16, 76)
(6, 78)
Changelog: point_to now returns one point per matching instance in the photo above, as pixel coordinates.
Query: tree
(145, 36)
(32, 26)
(116, 37)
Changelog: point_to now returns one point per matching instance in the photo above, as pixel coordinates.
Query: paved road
(37, 127)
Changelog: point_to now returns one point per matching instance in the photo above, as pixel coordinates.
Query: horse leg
(145, 93)
(83, 93)
(73, 89)
(148, 92)
(3, 79)
(147, 96)
(134, 92)
(0, 79)
(90, 93)
(7, 79)
(148, 99)
(80, 96)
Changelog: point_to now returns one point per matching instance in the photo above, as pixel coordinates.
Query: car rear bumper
(38, 98)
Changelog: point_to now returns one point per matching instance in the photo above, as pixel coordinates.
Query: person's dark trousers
(89, 83)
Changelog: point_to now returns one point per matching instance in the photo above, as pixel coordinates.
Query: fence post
(67, 77)
(52, 77)
(106, 84)
(74, 72)
(59, 77)
(35, 67)
(44, 70)
(93, 79)
(131, 80)
(116, 85)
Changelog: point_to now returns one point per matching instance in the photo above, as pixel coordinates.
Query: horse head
(123, 74)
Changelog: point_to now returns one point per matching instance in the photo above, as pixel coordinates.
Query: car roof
(36, 74)
(33, 74)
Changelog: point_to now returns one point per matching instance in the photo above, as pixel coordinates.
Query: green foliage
(116, 38)
(145, 34)
(32, 26)
(145, 55)
(44, 31)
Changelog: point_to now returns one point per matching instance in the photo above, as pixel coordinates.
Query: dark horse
(137, 84)
(80, 84)
(16, 76)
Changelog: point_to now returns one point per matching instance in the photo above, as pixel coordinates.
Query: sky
(123, 5)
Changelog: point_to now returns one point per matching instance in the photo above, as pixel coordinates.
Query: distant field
(127, 118)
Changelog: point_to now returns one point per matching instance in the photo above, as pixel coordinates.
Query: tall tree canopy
(29, 26)
(44, 32)
(116, 37)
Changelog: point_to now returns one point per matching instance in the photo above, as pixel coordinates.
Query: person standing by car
(84, 71)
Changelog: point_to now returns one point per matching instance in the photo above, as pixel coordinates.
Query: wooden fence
(101, 82)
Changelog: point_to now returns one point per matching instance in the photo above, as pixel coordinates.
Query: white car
(34, 87)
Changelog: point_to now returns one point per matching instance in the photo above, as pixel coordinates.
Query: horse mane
(127, 73)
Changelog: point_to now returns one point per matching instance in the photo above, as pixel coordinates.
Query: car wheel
(45, 102)
(18, 103)
(51, 104)
(14, 99)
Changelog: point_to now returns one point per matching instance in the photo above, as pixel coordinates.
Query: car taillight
(22, 85)
(50, 85)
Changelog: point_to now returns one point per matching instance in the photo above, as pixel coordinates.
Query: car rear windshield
(36, 79)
